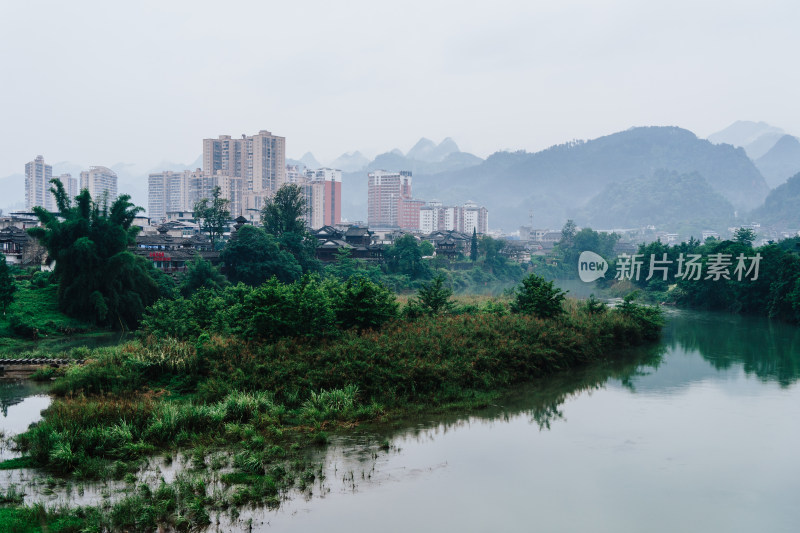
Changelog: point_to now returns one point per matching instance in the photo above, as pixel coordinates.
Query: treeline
(771, 289)
(100, 281)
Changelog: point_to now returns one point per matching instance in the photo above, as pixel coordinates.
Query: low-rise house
(356, 239)
(170, 253)
(450, 244)
(13, 243)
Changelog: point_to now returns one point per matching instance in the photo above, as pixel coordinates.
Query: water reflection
(767, 348)
(693, 434)
(21, 404)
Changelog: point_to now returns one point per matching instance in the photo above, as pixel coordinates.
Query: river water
(699, 432)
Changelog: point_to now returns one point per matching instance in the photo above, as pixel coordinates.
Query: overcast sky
(99, 83)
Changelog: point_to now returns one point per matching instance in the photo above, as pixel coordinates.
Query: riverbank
(265, 404)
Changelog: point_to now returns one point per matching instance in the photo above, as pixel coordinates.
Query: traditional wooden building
(356, 239)
(171, 253)
(13, 243)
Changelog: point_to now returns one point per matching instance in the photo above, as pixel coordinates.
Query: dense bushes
(310, 307)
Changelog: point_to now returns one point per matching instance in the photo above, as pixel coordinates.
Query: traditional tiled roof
(14, 235)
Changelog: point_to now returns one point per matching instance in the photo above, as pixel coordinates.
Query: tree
(473, 246)
(285, 212)
(405, 257)
(201, 273)
(283, 217)
(491, 250)
(252, 257)
(434, 298)
(745, 236)
(568, 232)
(363, 304)
(98, 278)
(7, 285)
(538, 297)
(213, 214)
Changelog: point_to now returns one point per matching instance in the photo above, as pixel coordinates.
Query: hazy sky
(140, 82)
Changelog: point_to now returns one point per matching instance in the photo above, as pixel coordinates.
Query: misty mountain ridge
(350, 162)
(757, 138)
(684, 203)
(780, 209)
(554, 184)
(426, 150)
(781, 162)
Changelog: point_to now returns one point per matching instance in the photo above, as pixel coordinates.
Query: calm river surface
(698, 433)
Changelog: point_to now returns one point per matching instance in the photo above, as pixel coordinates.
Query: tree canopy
(252, 256)
(213, 214)
(7, 286)
(283, 217)
(98, 278)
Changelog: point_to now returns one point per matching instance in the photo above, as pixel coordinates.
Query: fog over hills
(556, 183)
(755, 137)
(350, 162)
(780, 209)
(684, 203)
(781, 162)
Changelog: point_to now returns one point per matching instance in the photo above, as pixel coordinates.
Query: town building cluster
(391, 205)
(248, 170)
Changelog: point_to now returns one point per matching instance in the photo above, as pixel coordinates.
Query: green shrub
(538, 297)
(434, 298)
(23, 325)
(362, 304)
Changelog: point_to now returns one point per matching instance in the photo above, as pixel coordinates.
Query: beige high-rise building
(386, 190)
(37, 185)
(70, 185)
(259, 160)
(101, 182)
(170, 191)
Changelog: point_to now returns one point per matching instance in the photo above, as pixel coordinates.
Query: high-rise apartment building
(170, 191)
(436, 217)
(385, 192)
(37, 185)
(408, 214)
(70, 185)
(101, 183)
(259, 160)
(327, 208)
(475, 217)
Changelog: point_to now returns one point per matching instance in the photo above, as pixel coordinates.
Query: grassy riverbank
(33, 323)
(262, 403)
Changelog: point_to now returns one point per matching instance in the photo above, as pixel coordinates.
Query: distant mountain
(555, 183)
(755, 137)
(350, 162)
(781, 162)
(310, 161)
(780, 209)
(426, 150)
(683, 203)
(422, 149)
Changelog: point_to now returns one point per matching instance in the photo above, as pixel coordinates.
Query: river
(696, 433)
(699, 433)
